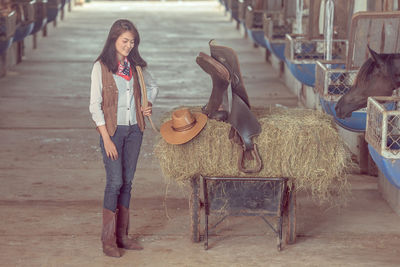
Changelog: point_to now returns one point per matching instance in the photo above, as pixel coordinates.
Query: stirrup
(256, 155)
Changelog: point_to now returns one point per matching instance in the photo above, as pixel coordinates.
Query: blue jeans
(120, 172)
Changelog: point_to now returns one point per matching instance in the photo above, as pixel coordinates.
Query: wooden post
(375, 5)
(281, 68)
(44, 30)
(289, 9)
(363, 157)
(342, 18)
(20, 51)
(267, 55)
(34, 41)
(62, 14)
(3, 64)
(194, 206)
(313, 19)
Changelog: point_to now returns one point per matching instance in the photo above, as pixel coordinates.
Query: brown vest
(110, 100)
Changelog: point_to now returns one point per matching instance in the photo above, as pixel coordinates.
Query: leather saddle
(223, 67)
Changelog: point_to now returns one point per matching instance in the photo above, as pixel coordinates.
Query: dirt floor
(52, 176)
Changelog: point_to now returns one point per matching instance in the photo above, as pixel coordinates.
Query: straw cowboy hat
(183, 126)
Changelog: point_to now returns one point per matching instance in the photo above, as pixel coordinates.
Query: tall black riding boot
(220, 82)
(228, 57)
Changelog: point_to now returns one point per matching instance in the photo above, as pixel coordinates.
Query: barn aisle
(52, 175)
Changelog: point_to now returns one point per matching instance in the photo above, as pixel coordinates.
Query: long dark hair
(109, 54)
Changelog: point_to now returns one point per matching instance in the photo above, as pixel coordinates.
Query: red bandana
(125, 70)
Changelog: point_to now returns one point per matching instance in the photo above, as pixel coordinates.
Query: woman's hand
(109, 146)
(111, 150)
(147, 111)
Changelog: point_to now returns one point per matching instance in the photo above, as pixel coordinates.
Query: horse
(378, 76)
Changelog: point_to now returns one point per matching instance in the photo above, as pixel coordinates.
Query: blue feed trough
(234, 13)
(278, 49)
(356, 123)
(389, 167)
(358, 120)
(235, 16)
(39, 24)
(22, 31)
(52, 12)
(40, 17)
(305, 73)
(257, 36)
(4, 45)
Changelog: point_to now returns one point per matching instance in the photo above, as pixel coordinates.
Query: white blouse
(126, 114)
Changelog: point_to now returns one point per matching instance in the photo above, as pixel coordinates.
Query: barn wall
(390, 193)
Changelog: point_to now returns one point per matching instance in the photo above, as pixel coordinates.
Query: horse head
(375, 78)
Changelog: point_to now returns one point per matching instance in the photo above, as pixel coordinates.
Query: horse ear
(376, 57)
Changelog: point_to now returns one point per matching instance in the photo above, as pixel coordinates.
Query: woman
(115, 97)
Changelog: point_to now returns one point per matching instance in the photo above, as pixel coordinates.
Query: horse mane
(364, 71)
(393, 61)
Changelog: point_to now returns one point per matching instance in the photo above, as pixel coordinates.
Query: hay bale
(299, 144)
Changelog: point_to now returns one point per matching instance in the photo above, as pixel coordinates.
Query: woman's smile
(124, 45)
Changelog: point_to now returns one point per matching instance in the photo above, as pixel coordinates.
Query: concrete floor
(52, 177)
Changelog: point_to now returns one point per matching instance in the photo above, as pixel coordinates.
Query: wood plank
(359, 44)
(375, 35)
(342, 18)
(388, 5)
(289, 9)
(378, 29)
(397, 49)
(257, 4)
(391, 35)
(273, 5)
(375, 5)
(313, 19)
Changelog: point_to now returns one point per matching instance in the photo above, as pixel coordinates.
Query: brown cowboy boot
(123, 241)
(220, 82)
(108, 237)
(228, 57)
